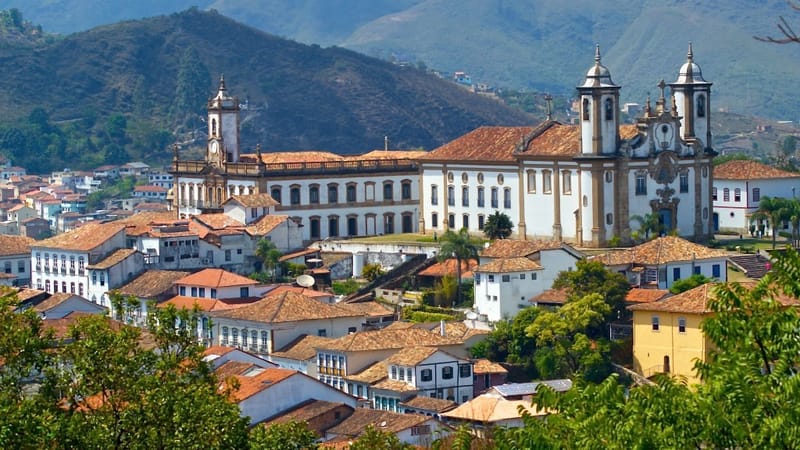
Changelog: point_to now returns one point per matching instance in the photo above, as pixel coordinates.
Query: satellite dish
(472, 315)
(305, 281)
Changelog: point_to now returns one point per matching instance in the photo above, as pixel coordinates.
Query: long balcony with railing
(299, 168)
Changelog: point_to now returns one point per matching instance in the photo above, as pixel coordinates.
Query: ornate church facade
(591, 183)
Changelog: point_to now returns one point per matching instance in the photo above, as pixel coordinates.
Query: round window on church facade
(705, 172)
(585, 201)
(609, 176)
(705, 213)
(480, 177)
(500, 179)
(464, 178)
(450, 177)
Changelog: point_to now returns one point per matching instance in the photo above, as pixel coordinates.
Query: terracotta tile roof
(387, 339)
(299, 253)
(286, 307)
(216, 278)
(306, 411)
(448, 267)
(367, 309)
(485, 144)
(233, 368)
(386, 421)
(372, 374)
(295, 157)
(555, 296)
(116, 257)
(393, 385)
(512, 248)
(492, 407)
(205, 304)
(411, 356)
(217, 221)
(749, 170)
(27, 293)
(484, 366)
(639, 295)
(152, 283)
(150, 188)
(217, 350)
(83, 238)
(151, 207)
(15, 245)
(264, 225)
(429, 403)
(53, 301)
(660, 251)
(302, 348)
(390, 154)
(506, 265)
(252, 200)
(695, 301)
(252, 385)
(300, 290)
(141, 223)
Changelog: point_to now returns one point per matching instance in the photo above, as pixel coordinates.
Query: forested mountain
(534, 44)
(130, 89)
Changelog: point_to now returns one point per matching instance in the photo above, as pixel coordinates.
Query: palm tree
(793, 208)
(498, 226)
(269, 253)
(458, 246)
(650, 222)
(774, 210)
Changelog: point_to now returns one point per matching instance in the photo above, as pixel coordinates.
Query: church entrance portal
(665, 220)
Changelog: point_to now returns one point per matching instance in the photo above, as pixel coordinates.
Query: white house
(514, 271)
(582, 183)
(59, 263)
(15, 258)
(150, 192)
(119, 267)
(740, 185)
(662, 261)
(218, 283)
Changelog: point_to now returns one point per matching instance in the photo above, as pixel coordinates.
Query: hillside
(159, 72)
(533, 44)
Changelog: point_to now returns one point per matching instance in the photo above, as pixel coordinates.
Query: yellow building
(667, 336)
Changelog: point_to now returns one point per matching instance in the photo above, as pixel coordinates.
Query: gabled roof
(372, 374)
(484, 366)
(385, 421)
(508, 265)
(15, 245)
(302, 348)
(661, 250)
(265, 224)
(551, 296)
(513, 248)
(367, 309)
(749, 170)
(297, 157)
(252, 385)
(387, 339)
(492, 407)
(150, 188)
(83, 238)
(640, 295)
(390, 154)
(411, 356)
(252, 200)
(152, 283)
(116, 257)
(695, 301)
(307, 411)
(59, 298)
(217, 221)
(215, 278)
(448, 267)
(286, 307)
(427, 403)
(205, 304)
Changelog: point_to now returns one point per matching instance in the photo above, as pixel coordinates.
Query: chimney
(441, 327)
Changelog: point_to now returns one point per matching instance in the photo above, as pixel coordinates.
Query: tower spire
(549, 100)
(661, 102)
(597, 53)
(222, 82)
(690, 53)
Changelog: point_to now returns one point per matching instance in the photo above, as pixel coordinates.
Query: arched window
(701, 106)
(586, 109)
(609, 109)
(276, 193)
(224, 335)
(213, 127)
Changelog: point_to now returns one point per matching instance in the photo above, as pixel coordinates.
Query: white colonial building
(582, 183)
(739, 187)
(327, 194)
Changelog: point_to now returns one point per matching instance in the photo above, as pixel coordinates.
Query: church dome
(690, 72)
(598, 75)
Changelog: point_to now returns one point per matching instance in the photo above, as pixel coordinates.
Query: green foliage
(446, 291)
(345, 287)
(268, 252)
(424, 313)
(498, 226)
(291, 435)
(510, 342)
(593, 277)
(692, 282)
(721, 159)
(461, 247)
(372, 271)
(191, 90)
(374, 439)
(649, 223)
(421, 316)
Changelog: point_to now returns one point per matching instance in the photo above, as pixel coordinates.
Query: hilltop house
(15, 259)
(740, 185)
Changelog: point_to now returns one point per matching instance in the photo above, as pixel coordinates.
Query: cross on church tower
(661, 99)
(549, 100)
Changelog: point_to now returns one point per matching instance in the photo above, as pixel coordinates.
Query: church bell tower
(223, 127)
(599, 110)
(693, 101)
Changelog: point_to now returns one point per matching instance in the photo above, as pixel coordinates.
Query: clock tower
(223, 127)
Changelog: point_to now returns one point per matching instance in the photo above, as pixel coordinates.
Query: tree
(498, 226)
(269, 253)
(789, 35)
(564, 331)
(291, 435)
(509, 342)
(593, 277)
(458, 246)
(372, 271)
(649, 223)
(692, 282)
(374, 439)
(191, 88)
(773, 210)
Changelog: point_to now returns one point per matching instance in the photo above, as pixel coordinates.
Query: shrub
(345, 287)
